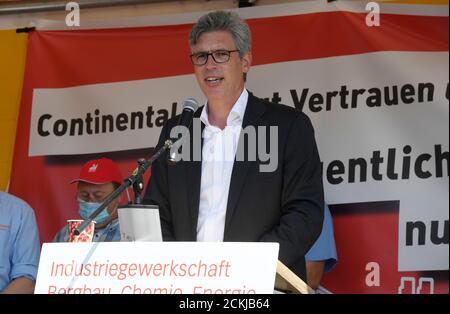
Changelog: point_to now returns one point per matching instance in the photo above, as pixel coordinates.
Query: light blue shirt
(19, 240)
(324, 249)
(111, 233)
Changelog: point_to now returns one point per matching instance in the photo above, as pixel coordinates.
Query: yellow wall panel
(12, 64)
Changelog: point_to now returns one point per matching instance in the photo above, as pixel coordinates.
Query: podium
(289, 282)
(162, 268)
(157, 268)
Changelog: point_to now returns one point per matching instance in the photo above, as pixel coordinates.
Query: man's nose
(91, 198)
(210, 63)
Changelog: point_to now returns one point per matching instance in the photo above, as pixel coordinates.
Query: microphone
(190, 106)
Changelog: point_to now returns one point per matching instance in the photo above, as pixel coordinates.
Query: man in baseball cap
(98, 178)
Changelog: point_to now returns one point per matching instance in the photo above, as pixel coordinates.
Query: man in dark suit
(248, 197)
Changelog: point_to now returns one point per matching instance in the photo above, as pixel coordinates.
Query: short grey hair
(224, 21)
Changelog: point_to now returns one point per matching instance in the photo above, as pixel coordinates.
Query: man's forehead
(215, 38)
(90, 187)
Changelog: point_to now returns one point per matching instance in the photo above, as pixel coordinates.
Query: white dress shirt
(218, 153)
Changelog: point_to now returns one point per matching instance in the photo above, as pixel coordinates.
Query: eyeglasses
(219, 56)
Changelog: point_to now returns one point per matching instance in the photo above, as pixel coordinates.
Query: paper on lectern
(140, 223)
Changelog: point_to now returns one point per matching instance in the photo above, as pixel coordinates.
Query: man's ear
(246, 62)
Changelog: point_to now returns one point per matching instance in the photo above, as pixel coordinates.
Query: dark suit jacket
(284, 206)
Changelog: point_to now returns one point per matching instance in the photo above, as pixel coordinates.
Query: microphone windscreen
(190, 104)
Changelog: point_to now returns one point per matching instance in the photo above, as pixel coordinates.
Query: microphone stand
(138, 186)
(136, 176)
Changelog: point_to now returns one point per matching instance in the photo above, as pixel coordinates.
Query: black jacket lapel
(193, 176)
(252, 114)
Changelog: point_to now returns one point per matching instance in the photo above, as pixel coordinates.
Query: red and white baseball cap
(99, 171)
